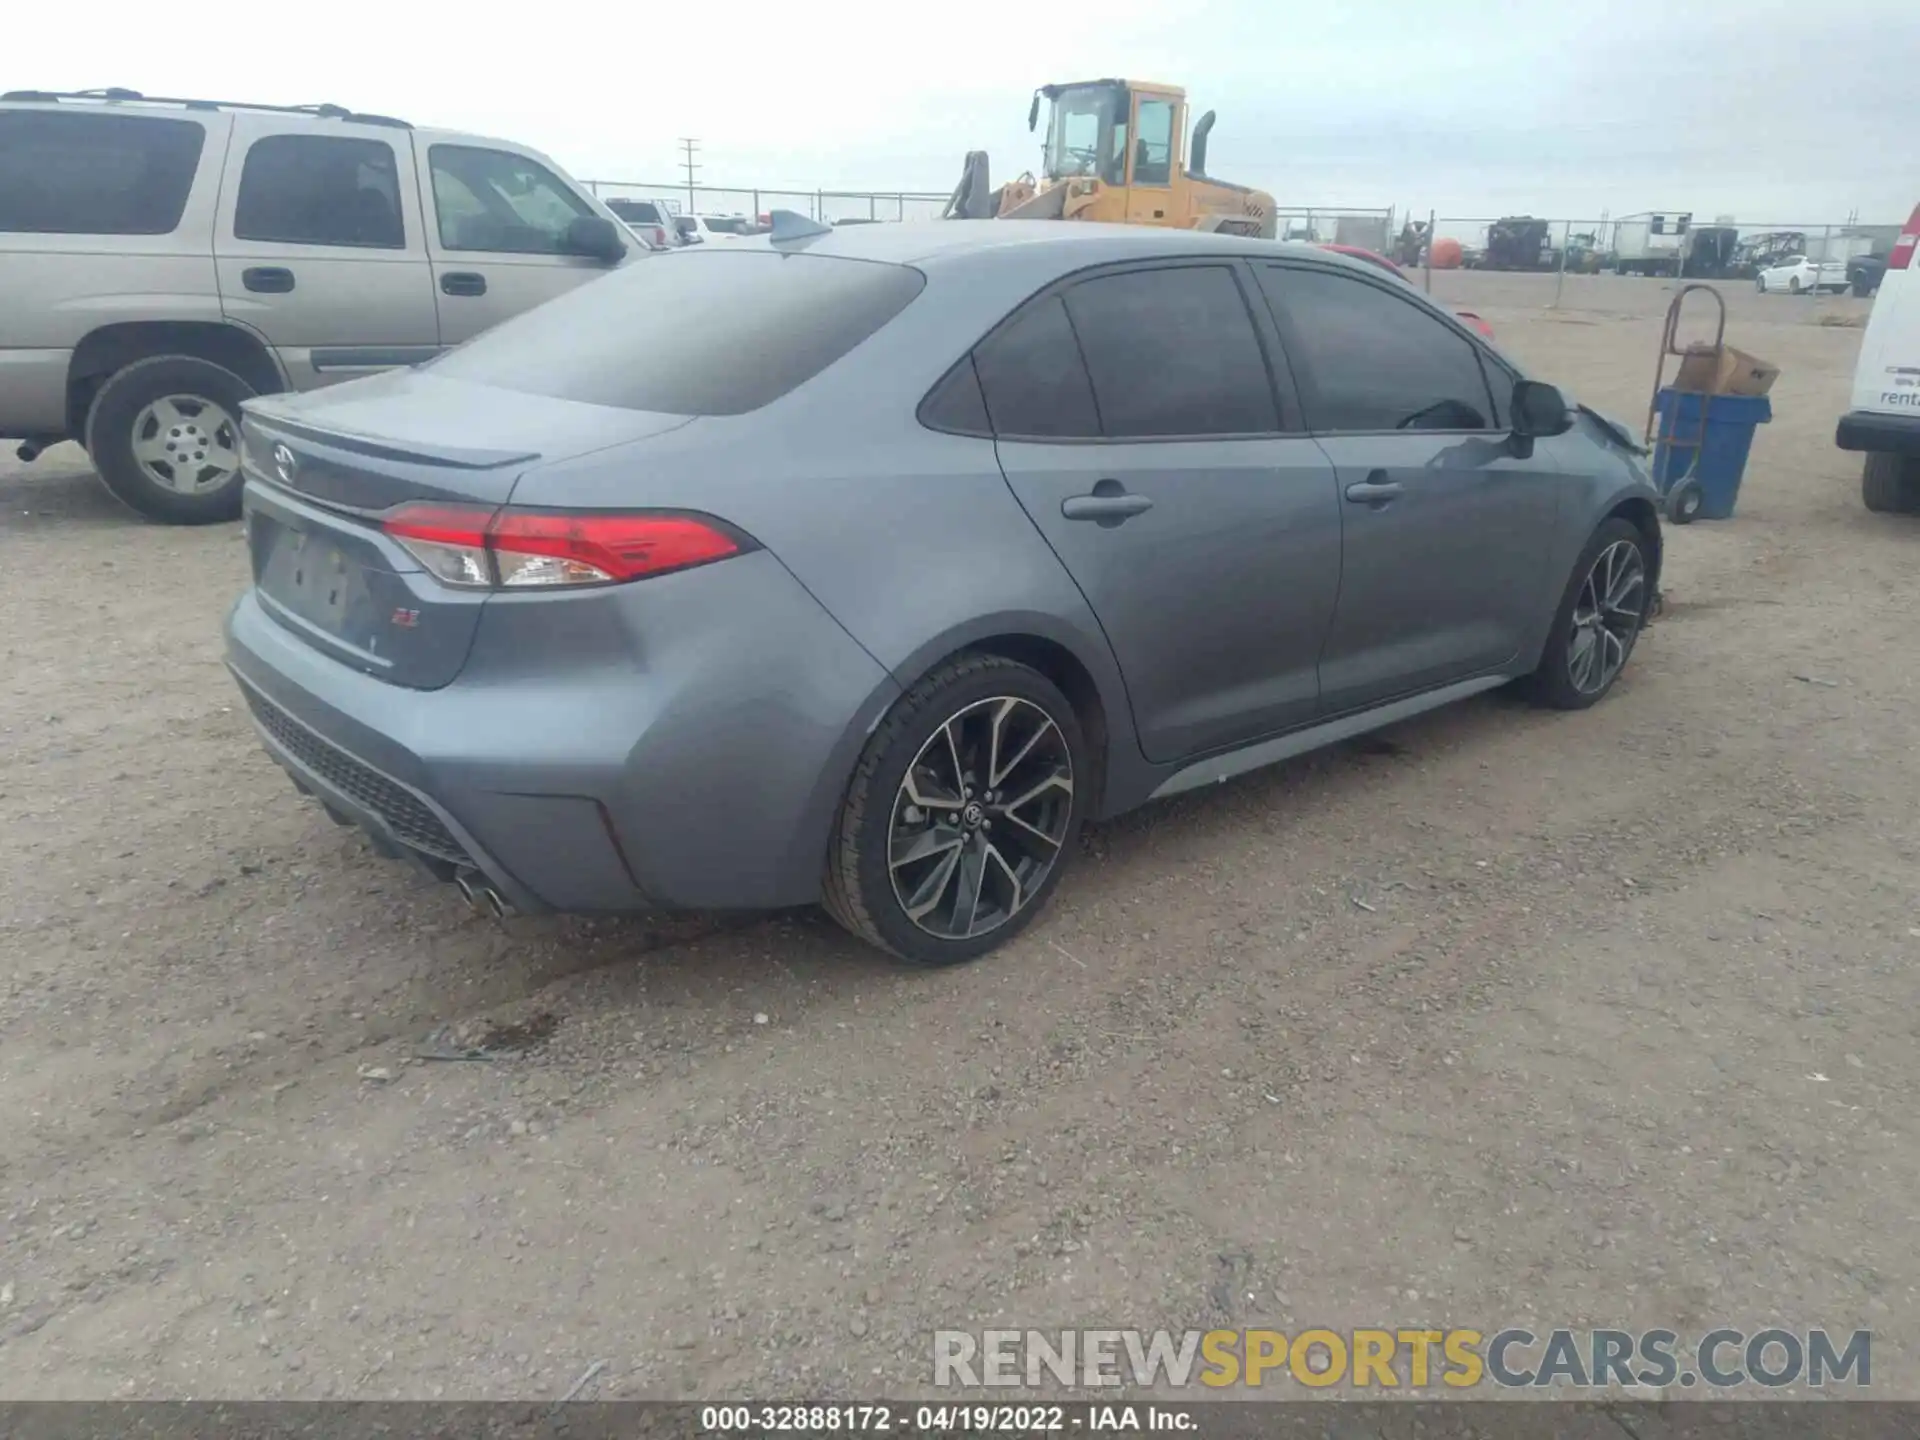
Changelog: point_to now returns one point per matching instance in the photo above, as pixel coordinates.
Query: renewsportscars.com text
(1382, 1359)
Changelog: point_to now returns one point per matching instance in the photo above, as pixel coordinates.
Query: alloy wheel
(980, 818)
(1606, 617)
(187, 444)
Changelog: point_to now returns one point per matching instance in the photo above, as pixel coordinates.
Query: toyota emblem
(285, 464)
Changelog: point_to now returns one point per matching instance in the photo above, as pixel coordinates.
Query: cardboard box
(1730, 372)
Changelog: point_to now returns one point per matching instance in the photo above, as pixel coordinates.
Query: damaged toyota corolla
(863, 566)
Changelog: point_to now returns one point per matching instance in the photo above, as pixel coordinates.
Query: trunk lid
(324, 467)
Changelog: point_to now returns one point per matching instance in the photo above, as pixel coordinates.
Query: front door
(320, 249)
(1152, 160)
(1203, 529)
(1445, 530)
(498, 241)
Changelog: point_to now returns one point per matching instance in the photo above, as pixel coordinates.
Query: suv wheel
(1598, 620)
(1890, 484)
(962, 814)
(164, 434)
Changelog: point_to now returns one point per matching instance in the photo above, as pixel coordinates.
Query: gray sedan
(861, 566)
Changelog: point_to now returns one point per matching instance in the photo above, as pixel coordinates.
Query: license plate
(314, 579)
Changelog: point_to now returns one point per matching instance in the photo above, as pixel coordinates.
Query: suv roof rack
(115, 94)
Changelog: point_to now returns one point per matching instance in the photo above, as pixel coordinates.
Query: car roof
(1065, 245)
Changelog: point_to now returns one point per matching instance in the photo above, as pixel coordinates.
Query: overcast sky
(1758, 109)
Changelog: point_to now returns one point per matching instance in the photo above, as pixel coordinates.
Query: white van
(1885, 419)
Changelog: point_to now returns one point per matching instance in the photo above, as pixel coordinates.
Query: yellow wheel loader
(1114, 153)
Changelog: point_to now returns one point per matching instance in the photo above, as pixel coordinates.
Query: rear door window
(66, 173)
(320, 190)
(1035, 382)
(713, 330)
(1369, 360)
(1172, 352)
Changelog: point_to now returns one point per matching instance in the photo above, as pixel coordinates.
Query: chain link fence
(1368, 227)
(1656, 242)
(830, 206)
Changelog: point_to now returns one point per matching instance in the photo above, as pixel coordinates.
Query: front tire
(963, 813)
(164, 433)
(1760, 283)
(1890, 484)
(1599, 618)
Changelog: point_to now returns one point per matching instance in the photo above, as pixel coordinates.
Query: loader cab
(1127, 137)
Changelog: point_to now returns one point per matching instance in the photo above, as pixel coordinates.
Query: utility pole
(688, 149)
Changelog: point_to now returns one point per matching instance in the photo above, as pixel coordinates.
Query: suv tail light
(1903, 248)
(477, 548)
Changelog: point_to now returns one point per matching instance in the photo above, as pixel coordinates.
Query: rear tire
(1890, 484)
(917, 831)
(164, 433)
(1604, 616)
(1793, 286)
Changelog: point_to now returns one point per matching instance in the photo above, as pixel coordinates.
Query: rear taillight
(1903, 248)
(475, 548)
(659, 236)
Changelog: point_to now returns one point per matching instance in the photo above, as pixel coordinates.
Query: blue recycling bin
(1716, 459)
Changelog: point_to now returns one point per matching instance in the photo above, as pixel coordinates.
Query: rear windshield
(81, 174)
(686, 226)
(728, 225)
(642, 211)
(708, 331)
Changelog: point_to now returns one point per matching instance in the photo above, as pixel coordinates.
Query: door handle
(267, 279)
(1376, 490)
(463, 282)
(1108, 505)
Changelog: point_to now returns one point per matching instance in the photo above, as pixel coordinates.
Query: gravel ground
(1502, 1017)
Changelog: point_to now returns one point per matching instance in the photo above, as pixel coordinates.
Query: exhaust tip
(28, 452)
(481, 895)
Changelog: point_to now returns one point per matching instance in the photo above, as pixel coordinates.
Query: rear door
(320, 248)
(498, 239)
(1138, 424)
(1445, 531)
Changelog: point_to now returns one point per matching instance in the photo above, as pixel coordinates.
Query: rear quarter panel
(57, 289)
(910, 538)
(1890, 346)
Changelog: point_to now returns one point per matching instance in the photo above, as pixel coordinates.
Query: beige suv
(162, 260)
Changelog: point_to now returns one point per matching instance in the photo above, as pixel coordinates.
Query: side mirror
(1539, 410)
(595, 237)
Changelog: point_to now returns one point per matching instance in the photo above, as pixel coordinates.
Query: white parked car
(1797, 275)
(700, 229)
(649, 219)
(1884, 421)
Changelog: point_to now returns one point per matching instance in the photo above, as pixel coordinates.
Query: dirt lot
(1590, 1019)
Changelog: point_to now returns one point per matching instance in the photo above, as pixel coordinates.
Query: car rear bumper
(1879, 433)
(654, 753)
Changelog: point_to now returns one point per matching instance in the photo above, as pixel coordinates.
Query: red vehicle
(1373, 258)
